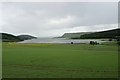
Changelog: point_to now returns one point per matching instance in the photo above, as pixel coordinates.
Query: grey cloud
(53, 19)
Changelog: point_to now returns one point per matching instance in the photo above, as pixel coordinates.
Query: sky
(52, 19)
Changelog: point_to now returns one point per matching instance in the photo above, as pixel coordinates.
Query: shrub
(110, 39)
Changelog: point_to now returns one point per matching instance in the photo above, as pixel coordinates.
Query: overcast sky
(56, 18)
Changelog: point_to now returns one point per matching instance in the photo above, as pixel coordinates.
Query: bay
(62, 40)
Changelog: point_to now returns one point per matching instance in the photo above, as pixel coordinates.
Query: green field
(37, 60)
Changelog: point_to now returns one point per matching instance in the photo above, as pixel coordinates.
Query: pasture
(58, 60)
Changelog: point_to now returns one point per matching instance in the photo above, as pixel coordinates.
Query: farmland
(58, 60)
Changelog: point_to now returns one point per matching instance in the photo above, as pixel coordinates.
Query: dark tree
(71, 42)
(92, 43)
(118, 40)
(110, 39)
(95, 43)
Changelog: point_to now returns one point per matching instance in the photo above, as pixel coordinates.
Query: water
(61, 40)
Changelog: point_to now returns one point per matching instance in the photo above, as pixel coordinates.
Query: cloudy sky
(52, 19)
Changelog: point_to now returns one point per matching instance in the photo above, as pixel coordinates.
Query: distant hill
(11, 38)
(102, 34)
(73, 35)
(26, 37)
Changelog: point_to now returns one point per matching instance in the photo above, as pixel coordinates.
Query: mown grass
(56, 60)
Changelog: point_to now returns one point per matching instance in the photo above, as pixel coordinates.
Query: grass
(56, 60)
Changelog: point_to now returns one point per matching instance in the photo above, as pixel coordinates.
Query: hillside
(26, 37)
(9, 38)
(72, 35)
(103, 34)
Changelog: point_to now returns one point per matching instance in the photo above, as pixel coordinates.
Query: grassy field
(37, 60)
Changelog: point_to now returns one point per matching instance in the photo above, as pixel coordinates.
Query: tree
(118, 39)
(71, 42)
(110, 39)
(94, 43)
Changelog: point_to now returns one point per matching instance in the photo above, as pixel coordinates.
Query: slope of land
(12, 38)
(9, 38)
(26, 37)
(103, 34)
(70, 35)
